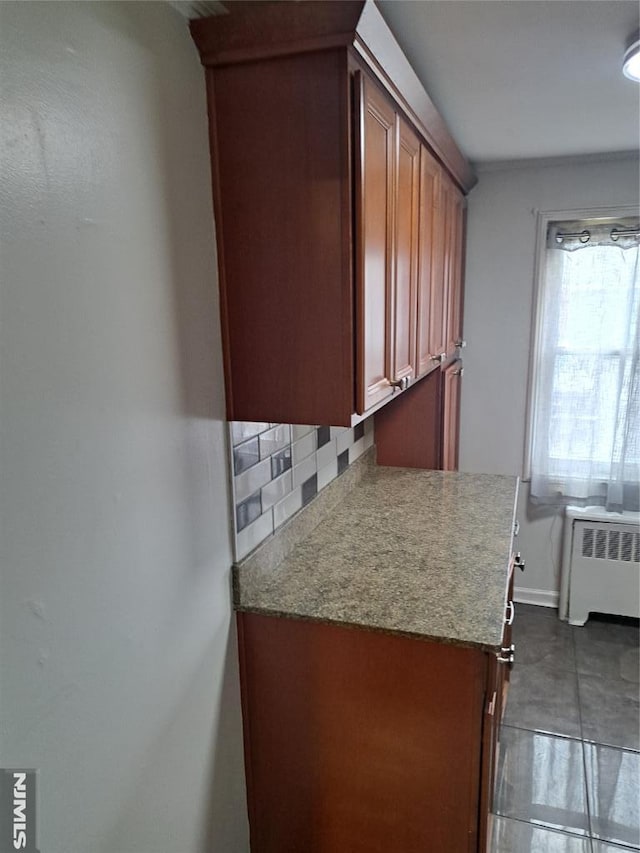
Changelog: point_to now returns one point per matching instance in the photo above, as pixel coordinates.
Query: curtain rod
(585, 235)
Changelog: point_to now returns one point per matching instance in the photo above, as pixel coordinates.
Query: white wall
(118, 660)
(497, 324)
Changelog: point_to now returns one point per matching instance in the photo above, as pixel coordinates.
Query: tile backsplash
(279, 468)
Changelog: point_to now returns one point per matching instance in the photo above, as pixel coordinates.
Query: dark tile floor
(569, 762)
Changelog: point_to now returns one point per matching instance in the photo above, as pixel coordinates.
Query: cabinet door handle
(458, 372)
(439, 358)
(401, 384)
(492, 705)
(519, 562)
(507, 654)
(460, 343)
(516, 527)
(511, 612)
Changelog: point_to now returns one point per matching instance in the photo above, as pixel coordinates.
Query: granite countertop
(409, 551)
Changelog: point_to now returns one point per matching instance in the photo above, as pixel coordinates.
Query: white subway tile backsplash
(304, 470)
(277, 489)
(281, 461)
(326, 453)
(344, 441)
(245, 455)
(275, 439)
(254, 534)
(286, 508)
(242, 431)
(252, 479)
(327, 473)
(303, 448)
(356, 450)
(248, 510)
(300, 430)
(280, 467)
(323, 435)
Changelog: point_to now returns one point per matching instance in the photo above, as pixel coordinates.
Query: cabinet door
(454, 266)
(438, 288)
(404, 281)
(409, 433)
(380, 734)
(490, 730)
(375, 181)
(451, 415)
(427, 262)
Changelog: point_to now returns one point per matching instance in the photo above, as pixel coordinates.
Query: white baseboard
(541, 597)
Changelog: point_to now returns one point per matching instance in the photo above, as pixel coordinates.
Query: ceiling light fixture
(631, 62)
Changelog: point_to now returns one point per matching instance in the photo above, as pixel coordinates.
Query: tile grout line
(546, 828)
(543, 732)
(583, 749)
(591, 842)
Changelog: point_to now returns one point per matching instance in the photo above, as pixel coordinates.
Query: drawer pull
(511, 612)
(492, 705)
(516, 527)
(519, 562)
(507, 654)
(401, 384)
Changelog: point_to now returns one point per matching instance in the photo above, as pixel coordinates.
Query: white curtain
(586, 400)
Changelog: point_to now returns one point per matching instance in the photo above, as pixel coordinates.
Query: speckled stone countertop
(403, 550)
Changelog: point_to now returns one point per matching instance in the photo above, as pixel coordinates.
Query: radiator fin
(587, 542)
(627, 547)
(601, 543)
(613, 545)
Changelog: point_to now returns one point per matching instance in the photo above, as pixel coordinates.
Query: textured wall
(117, 653)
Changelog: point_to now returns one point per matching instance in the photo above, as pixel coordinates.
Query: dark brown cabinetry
(406, 248)
(375, 206)
(364, 741)
(431, 297)
(322, 143)
(451, 380)
(422, 428)
(454, 259)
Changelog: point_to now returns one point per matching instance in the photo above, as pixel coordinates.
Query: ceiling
(517, 79)
(520, 79)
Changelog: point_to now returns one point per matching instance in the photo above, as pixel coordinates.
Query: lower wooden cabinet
(359, 741)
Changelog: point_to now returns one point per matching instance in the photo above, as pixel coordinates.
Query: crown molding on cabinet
(258, 30)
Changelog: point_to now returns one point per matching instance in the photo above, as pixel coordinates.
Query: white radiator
(600, 564)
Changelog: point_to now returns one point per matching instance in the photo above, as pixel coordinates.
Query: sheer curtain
(586, 396)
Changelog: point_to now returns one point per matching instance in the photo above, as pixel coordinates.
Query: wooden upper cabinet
(429, 267)
(405, 280)
(317, 226)
(438, 291)
(454, 267)
(387, 217)
(375, 190)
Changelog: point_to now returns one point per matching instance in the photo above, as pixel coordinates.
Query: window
(584, 412)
